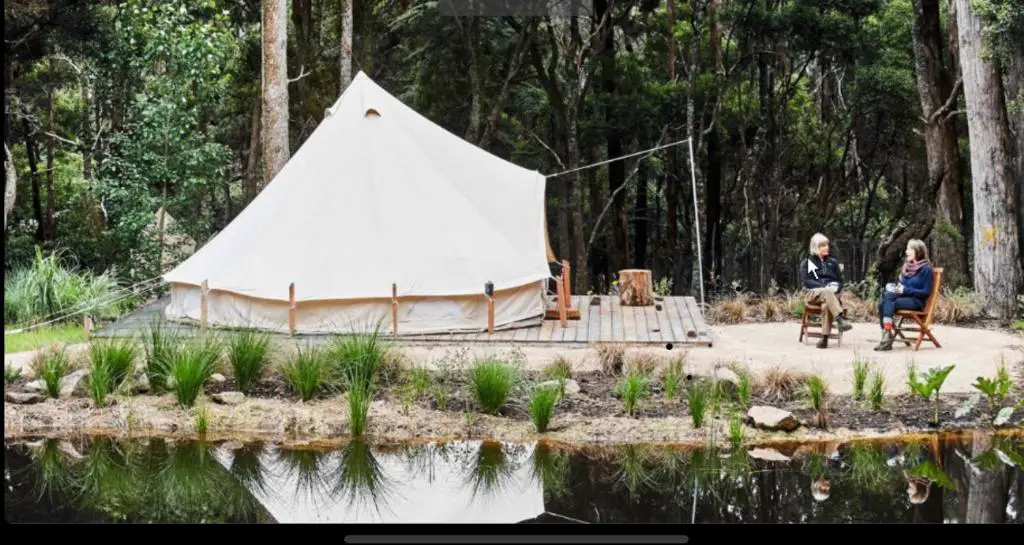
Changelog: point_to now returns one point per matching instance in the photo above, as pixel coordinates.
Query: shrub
(247, 353)
(49, 287)
(192, 365)
(160, 348)
(115, 357)
(492, 382)
(359, 360)
(307, 372)
(542, 407)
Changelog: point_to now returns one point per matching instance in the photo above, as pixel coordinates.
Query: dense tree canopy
(847, 117)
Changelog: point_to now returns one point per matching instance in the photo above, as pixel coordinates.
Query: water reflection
(972, 478)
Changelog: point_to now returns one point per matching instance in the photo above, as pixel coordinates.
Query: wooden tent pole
(568, 283)
(489, 293)
(394, 309)
(87, 326)
(561, 301)
(292, 309)
(204, 303)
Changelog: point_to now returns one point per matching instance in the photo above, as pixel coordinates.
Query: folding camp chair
(921, 318)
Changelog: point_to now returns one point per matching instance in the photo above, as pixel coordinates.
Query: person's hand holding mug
(899, 289)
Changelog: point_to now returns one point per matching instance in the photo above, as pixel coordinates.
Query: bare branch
(62, 139)
(302, 73)
(950, 101)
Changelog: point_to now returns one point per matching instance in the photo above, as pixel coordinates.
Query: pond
(972, 477)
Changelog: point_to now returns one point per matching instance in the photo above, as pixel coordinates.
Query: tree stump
(636, 288)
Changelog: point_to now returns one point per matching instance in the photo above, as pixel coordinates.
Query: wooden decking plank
(689, 326)
(618, 325)
(653, 323)
(581, 325)
(640, 319)
(546, 329)
(533, 334)
(628, 324)
(593, 321)
(702, 326)
(521, 334)
(675, 320)
(605, 310)
(569, 335)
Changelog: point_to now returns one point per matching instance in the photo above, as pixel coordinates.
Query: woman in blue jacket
(911, 293)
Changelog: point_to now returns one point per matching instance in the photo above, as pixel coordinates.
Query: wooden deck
(679, 321)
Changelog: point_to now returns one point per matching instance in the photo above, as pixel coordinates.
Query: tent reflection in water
(377, 196)
(362, 483)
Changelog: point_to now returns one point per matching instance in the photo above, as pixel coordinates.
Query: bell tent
(377, 196)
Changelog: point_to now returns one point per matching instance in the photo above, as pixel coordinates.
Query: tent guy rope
(693, 181)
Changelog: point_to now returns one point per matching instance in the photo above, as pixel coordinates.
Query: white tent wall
(416, 315)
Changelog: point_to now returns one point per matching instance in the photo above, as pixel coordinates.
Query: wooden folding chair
(806, 324)
(921, 318)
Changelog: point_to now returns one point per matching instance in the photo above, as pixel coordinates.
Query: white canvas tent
(378, 195)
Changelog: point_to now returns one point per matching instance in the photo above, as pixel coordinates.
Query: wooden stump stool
(636, 288)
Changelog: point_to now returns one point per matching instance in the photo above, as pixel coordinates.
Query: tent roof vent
(371, 112)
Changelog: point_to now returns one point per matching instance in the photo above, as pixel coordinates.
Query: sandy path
(975, 352)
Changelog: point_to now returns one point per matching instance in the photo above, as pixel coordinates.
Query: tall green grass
(672, 378)
(492, 381)
(307, 372)
(359, 360)
(11, 373)
(876, 392)
(817, 399)
(111, 362)
(51, 365)
(360, 396)
(633, 388)
(247, 354)
(50, 286)
(735, 430)
(160, 347)
(39, 337)
(542, 406)
(861, 368)
(192, 365)
(559, 369)
(699, 398)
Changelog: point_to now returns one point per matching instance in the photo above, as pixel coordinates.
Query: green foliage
(876, 394)
(542, 407)
(307, 372)
(357, 360)
(192, 365)
(558, 370)
(160, 347)
(492, 381)
(929, 384)
(51, 288)
(47, 335)
(817, 398)
(247, 354)
(116, 357)
(359, 396)
(735, 430)
(672, 378)
(860, 377)
(633, 388)
(699, 398)
(11, 373)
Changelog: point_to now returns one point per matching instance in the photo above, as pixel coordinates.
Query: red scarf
(910, 269)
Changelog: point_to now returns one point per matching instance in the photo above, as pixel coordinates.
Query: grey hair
(816, 242)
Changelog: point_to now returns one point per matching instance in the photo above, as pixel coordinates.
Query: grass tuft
(492, 382)
(192, 365)
(861, 369)
(781, 385)
(360, 396)
(612, 359)
(116, 357)
(307, 372)
(542, 407)
(876, 392)
(817, 398)
(633, 388)
(11, 373)
(559, 369)
(699, 398)
(51, 365)
(247, 354)
(672, 378)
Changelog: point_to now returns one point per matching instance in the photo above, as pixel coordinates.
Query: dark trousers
(891, 302)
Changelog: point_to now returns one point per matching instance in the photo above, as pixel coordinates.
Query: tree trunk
(1013, 78)
(50, 227)
(346, 43)
(33, 166)
(938, 95)
(713, 251)
(275, 88)
(636, 288)
(252, 161)
(989, 493)
(997, 267)
(10, 184)
(672, 180)
(613, 136)
(642, 216)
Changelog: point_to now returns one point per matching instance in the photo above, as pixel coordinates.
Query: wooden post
(561, 301)
(568, 283)
(489, 293)
(292, 310)
(204, 303)
(87, 326)
(394, 310)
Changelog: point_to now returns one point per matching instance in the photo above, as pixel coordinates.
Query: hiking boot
(886, 343)
(843, 324)
(823, 343)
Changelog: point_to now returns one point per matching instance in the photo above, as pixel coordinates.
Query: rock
(727, 379)
(770, 418)
(26, 398)
(233, 445)
(571, 386)
(35, 386)
(67, 448)
(73, 386)
(140, 384)
(229, 398)
(218, 378)
(768, 454)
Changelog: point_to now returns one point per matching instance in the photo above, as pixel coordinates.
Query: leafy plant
(929, 385)
(698, 397)
(735, 430)
(307, 372)
(492, 382)
(247, 354)
(192, 366)
(542, 407)
(995, 389)
(631, 389)
(860, 377)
